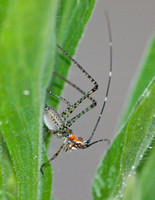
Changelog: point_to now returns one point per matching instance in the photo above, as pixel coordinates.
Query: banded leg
(55, 155)
(61, 98)
(70, 109)
(62, 130)
(109, 81)
(71, 121)
(74, 86)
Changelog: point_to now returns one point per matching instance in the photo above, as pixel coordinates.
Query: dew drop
(148, 93)
(133, 167)
(34, 157)
(26, 92)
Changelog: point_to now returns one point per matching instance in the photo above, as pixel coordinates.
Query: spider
(58, 124)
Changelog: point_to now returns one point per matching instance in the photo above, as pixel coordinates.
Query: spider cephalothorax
(72, 143)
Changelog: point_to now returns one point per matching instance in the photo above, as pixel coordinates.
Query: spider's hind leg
(77, 88)
(70, 109)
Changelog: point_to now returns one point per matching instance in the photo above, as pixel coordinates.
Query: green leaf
(8, 183)
(140, 133)
(26, 58)
(145, 75)
(142, 186)
(29, 33)
(127, 152)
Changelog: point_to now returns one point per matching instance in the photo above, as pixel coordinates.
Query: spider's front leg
(61, 132)
(55, 155)
(64, 132)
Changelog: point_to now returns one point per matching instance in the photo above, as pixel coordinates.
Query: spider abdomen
(52, 119)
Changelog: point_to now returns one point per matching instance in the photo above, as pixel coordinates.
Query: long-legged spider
(59, 125)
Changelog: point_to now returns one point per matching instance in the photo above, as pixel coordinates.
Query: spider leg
(109, 80)
(61, 98)
(74, 86)
(50, 160)
(62, 129)
(70, 109)
(71, 121)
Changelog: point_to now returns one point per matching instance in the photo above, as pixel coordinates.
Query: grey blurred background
(132, 24)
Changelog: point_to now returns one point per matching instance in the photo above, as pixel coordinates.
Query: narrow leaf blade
(27, 56)
(125, 155)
